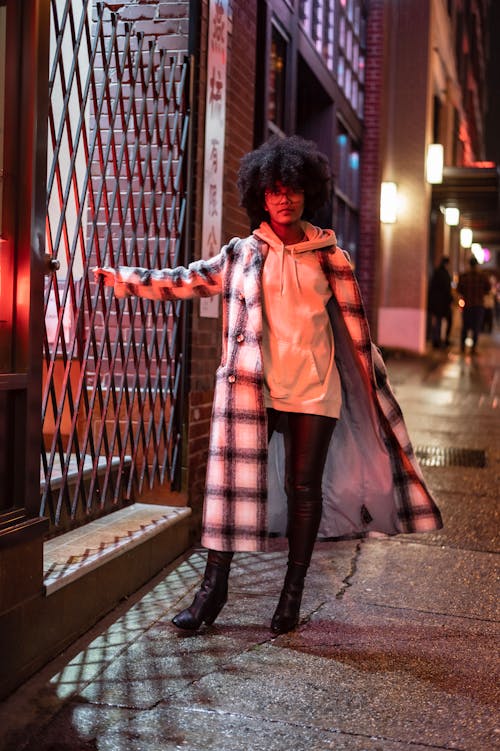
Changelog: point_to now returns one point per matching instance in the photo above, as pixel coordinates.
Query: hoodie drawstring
(293, 254)
(295, 266)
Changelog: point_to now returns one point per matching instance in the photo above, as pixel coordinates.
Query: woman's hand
(107, 274)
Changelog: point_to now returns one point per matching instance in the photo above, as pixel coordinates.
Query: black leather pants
(306, 444)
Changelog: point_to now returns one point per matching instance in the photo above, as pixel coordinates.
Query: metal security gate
(112, 402)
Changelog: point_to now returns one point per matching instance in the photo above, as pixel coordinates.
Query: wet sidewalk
(398, 644)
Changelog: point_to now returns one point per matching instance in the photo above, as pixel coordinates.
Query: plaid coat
(371, 483)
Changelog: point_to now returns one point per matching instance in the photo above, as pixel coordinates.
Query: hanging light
(452, 216)
(465, 237)
(434, 163)
(388, 202)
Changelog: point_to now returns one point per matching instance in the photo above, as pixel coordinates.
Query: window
(351, 53)
(347, 191)
(317, 18)
(341, 22)
(277, 82)
(341, 71)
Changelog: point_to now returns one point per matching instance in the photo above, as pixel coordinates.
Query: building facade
(432, 90)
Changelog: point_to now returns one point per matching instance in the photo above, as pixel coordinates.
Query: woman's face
(284, 205)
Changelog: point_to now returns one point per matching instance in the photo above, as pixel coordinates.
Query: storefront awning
(475, 191)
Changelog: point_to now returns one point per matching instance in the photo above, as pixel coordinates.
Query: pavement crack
(314, 727)
(438, 613)
(347, 581)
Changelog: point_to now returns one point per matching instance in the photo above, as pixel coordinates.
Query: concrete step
(75, 554)
(56, 479)
(86, 573)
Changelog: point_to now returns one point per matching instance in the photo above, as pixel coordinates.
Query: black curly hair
(293, 162)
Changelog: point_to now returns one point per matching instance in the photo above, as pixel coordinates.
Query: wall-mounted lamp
(451, 216)
(388, 203)
(465, 237)
(434, 163)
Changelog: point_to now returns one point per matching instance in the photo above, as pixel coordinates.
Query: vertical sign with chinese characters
(215, 126)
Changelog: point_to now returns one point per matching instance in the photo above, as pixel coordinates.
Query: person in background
(301, 394)
(489, 307)
(439, 304)
(472, 286)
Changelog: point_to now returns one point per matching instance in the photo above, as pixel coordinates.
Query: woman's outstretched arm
(201, 278)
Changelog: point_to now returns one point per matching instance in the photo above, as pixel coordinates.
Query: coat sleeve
(201, 278)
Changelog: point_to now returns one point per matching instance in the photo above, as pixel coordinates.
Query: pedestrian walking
(472, 286)
(439, 304)
(302, 403)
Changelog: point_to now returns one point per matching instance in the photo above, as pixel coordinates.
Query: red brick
(137, 12)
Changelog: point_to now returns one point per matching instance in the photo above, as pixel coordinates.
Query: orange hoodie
(300, 374)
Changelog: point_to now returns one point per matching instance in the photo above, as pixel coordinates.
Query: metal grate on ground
(437, 456)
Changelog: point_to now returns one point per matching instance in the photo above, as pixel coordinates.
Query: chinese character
(214, 154)
(212, 200)
(212, 244)
(218, 27)
(215, 89)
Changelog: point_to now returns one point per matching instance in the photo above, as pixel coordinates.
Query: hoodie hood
(316, 238)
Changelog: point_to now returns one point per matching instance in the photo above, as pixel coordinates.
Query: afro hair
(293, 162)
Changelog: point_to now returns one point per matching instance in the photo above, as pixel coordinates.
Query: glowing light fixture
(388, 203)
(452, 216)
(434, 163)
(465, 237)
(477, 252)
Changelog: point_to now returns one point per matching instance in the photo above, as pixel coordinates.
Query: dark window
(351, 52)
(277, 82)
(347, 192)
(317, 18)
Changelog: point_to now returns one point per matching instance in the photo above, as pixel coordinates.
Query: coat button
(231, 378)
(240, 338)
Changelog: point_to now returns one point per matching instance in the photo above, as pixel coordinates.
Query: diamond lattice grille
(117, 160)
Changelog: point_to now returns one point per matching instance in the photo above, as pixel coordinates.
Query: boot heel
(191, 618)
(210, 617)
(287, 614)
(211, 597)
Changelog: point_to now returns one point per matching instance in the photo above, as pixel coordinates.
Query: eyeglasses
(276, 196)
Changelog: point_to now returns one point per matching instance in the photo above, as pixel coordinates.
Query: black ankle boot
(212, 595)
(304, 516)
(287, 614)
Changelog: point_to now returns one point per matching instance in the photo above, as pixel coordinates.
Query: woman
(297, 362)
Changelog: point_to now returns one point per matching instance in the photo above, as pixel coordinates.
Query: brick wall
(240, 112)
(165, 21)
(371, 165)
(206, 332)
(168, 23)
(136, 214)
